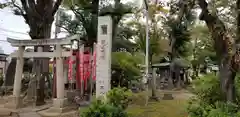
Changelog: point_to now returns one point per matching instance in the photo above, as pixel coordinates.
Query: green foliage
(125, 68)
(100, 108)
(182, 37)
(203, 45)
(207, 89)
(114, 106)
(85, 22)
(208, 101)
(179, 27)
(4, 4)
(119, 97)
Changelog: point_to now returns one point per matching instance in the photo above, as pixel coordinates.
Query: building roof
(1, 51)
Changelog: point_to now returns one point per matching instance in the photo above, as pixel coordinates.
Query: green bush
(209, 102)
(207, 89)
(100, 108)
(113, 106)
(119, 97)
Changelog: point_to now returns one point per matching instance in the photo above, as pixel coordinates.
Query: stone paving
(24, 112)
(29, 111)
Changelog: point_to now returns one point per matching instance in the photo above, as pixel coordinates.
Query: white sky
(15, 27)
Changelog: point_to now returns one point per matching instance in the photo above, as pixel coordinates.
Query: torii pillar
(16, 99)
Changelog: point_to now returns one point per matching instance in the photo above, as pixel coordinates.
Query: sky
(15, 27)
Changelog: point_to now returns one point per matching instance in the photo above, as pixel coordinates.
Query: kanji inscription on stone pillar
(103, 67)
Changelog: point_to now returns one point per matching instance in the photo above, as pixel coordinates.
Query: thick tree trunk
(227, 83)
(41, 65)
(226, 53)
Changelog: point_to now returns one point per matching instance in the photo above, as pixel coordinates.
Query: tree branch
(25, 7)
(65, 28)
(56, 6)
(205, 14)
(20, 10)
(81, 17)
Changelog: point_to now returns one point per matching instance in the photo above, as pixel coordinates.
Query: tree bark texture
(39, 15)
(226, 51)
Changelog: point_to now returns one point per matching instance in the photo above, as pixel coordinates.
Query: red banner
(70, 68)
(81, 72)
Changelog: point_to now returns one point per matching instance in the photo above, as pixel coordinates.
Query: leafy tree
(202, 47)
(125, 67)
(85, 21)
(228, 56)
(179, 26)
(156, 34)
(179, 18)
(39, 15)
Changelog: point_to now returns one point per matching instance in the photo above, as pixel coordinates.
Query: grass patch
(162, 108)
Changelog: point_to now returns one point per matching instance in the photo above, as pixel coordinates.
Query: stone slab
(5, 112)
(167, 96)
(14, 103)
(66, 114)
(59, 112)
(60, 103)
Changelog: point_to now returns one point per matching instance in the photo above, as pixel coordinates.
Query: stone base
(167, 96)
(154, 98)
(14, 103)
(60, 103)
(60, 108)
(66, 114)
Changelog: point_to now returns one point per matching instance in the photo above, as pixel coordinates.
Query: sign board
(103, 55)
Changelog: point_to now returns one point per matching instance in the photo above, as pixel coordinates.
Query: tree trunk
(227, 56)
(178, 78)
(227, 77)
(41, 64)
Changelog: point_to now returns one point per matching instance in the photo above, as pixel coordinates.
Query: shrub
(207, 89)
(208, 101)
(114, 106)
(100, 108)
(119, 97)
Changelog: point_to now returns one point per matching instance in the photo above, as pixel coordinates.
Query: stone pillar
(16, 100)
(154, 76)
(65, 73)
(60, 102)
(104, 50)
